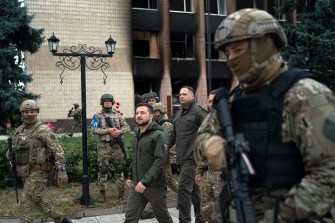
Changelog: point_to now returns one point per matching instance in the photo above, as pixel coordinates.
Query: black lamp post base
(85, 198)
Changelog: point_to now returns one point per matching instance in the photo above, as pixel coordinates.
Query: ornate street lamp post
(94, 60)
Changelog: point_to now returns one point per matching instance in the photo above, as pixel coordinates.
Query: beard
(142, 123)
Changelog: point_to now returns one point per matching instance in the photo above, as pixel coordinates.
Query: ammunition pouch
(22, 171)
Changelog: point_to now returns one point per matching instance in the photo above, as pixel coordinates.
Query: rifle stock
(13, 166)
(238, 164)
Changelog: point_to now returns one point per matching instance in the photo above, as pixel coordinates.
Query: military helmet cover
(249, 24)
(159, 107)
(29, 105)
(76, 105)
(150, 95)
(106, 97)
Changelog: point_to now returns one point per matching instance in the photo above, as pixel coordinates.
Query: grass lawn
(66, 199)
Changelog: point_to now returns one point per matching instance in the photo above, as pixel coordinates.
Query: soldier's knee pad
(118, 168)
(103, 169)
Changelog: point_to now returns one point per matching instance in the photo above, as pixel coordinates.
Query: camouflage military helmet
(29, 105)
(249, 24)
(76, 105)
(159, 107)
(106, 97)
(150, 95)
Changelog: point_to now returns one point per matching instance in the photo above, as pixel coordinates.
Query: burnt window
(180, 5)
(141, 48)
(181, 45)
(216, 6)
(146, 4)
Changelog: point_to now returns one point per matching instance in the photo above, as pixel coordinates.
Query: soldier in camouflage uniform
(289, 121)
(152, 98)
(160, 118)
(76, 114)
(109, 151)
(159, 114)
(36, 151)
(209, 180)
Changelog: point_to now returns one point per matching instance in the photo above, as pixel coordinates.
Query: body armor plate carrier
(259, 117)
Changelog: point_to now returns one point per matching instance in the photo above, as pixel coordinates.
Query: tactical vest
(259, 117)
(103, 124)
(161, 122)
(28, 148)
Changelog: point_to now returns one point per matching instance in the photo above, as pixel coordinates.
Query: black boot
(66, 220)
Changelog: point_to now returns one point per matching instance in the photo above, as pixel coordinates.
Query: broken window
(216, 7)
(182, 45)
(145, 44)
(141, 48)
(180, 5)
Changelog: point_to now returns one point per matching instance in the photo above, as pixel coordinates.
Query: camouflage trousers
(211, 187)
(33, 197)
(76, 123)
(109, 153)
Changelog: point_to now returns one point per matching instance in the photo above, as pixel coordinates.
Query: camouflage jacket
(99, 125)
(309, 122)
(37, 145)
(167, 125)
(76, 114)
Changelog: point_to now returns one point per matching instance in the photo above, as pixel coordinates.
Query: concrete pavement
(119, 218)
(116, 215)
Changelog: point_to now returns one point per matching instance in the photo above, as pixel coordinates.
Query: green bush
(5, 175)
(73, 157)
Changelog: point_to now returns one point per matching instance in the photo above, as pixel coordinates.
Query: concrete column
(164, 46)
(231, 6)
(200, 52)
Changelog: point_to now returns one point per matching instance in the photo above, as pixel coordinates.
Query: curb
(91, 212)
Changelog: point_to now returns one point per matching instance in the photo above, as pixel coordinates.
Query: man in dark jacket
(185, 127)
(147, 172)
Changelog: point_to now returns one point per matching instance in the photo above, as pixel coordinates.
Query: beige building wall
(81, 22)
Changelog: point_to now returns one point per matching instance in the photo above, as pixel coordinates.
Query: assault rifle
(12, 164)
(118, 140)
(236, 176)
(69, 114)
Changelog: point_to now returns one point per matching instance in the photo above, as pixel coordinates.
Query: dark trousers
(188, 193)
(136, 203)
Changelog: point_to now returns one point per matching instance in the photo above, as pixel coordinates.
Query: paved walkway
(100, 216)
(118, 218)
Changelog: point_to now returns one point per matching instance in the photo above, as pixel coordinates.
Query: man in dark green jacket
(147, 172)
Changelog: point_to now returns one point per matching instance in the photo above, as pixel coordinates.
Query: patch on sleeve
(165, 148)
(95, 122)
(329, 128)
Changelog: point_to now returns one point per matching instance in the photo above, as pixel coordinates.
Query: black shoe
(70, 134)
(66, 220)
